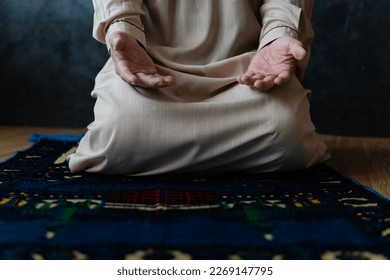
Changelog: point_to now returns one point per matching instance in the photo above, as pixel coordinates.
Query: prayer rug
(46, 212)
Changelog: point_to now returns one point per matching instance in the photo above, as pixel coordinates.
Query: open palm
(133, 64)
(274, 64)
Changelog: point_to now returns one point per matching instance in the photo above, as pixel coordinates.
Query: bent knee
(295, 138)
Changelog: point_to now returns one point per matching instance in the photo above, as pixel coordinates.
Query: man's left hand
(274, 64)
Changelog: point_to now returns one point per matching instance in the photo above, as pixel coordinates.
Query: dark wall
(349, 69)
(48, 62)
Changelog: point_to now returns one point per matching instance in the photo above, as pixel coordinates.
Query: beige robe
(206, 121)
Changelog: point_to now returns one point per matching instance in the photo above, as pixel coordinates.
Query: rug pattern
(46, 212)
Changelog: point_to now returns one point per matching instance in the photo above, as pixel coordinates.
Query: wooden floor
(367, 160)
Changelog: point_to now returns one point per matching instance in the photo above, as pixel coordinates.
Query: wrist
(276, 33)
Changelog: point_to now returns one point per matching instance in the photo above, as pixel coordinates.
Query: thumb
(297, 50)
(117, 42)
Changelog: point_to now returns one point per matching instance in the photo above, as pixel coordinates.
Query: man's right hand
(133, 64)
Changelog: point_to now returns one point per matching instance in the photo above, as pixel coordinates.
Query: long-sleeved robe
(205, 121)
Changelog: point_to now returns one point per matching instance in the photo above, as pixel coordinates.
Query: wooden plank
(367, 160)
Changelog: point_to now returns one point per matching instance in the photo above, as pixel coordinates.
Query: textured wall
(349, 70)
(48, 62)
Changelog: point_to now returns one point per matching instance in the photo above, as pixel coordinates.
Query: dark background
(48, 62)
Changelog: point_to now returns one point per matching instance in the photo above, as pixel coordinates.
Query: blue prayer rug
(46, 212)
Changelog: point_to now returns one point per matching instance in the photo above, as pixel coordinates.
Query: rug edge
(368, 188)
(37, 137)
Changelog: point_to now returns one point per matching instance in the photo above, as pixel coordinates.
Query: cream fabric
(206, 121)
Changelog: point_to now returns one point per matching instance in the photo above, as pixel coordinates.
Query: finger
(258, 77)
(154, 81)
(138, 79)
(245, 79)
(165, 81)
(242, 78)
(265, 84)
(125, 73)
(131, 79)
(250, 80)
(141, 81)
(144, 79)
(283, 78)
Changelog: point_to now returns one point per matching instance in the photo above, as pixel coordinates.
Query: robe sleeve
(287, 18)
(118, 15)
